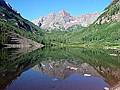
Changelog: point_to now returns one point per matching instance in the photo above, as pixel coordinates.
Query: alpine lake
(59, 69)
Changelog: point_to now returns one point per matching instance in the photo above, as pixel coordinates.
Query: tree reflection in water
(60, 63)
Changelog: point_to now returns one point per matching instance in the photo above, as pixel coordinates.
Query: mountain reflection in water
(59, 69)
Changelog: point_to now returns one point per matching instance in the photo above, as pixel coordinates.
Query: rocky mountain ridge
(63, 20)
(110, 14)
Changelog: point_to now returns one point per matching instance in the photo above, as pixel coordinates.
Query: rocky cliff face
(17, 41)
(111, 13)
(63, 20)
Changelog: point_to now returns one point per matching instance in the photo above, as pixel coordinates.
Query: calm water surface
(59, 69)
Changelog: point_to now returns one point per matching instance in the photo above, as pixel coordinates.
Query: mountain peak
(63, 19)
(64, 13)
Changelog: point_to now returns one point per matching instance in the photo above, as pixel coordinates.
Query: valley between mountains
(99, 30)
(59, 51)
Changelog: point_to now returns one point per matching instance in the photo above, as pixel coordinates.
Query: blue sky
(31, 9)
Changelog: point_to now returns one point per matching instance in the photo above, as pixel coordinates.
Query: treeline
(107, 34)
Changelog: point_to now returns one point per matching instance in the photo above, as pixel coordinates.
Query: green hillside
(12, 21)
(110, 14)
(98, 35)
